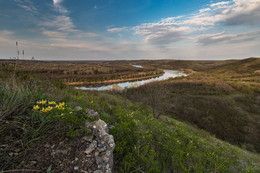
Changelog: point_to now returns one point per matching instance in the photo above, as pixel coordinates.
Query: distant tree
(155, 96)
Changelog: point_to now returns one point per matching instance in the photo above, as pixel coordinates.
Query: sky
(130, 29)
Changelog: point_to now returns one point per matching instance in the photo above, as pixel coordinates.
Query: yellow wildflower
(52, 103)
(62, 104)
(43, 110)
(24, 125)
(48, 109)
(42, 102)
(36, 107)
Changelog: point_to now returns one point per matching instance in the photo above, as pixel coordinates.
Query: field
(206, 122)
(75, 73)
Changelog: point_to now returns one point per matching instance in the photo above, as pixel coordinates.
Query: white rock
(91, 147)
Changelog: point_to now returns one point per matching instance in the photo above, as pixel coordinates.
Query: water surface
(167, 74)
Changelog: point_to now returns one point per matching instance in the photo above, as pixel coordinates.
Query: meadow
(206, 122)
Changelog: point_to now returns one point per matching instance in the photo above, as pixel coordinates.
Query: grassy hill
(223, 100)
(143, 143)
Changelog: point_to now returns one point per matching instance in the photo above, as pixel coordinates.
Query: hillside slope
(223, 100)
(143, 143)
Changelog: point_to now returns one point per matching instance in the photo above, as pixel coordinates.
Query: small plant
(73, 119)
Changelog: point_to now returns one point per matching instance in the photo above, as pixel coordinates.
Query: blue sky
(130, 29)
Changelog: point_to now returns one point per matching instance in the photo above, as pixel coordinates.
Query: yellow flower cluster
(60, 106)
(45, 110)
(36, 107)
(41, 102)
(51, 102)
(49, 105)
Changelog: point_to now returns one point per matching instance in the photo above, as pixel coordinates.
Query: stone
(109, 141)
(92, 113)
(61, 151)
(100, 129)
(99, 160)
(33, 162)
(108, 171)
(102, 149)
(98, 171)
(77, 108)
(88, 138)
(105, 158)
(88, 124)
(76, 168)
(91, 147)
(96, 153)
(47, 145)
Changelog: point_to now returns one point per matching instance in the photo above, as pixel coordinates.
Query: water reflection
(167, 74)
(137, 66)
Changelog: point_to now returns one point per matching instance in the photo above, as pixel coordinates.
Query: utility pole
(17, 50)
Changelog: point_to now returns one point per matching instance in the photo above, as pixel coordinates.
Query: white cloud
(172, 29)
(116, 30)
(209, 39)
(54, 34)
(162, 32)
(59, 7)
(204, 10)
(60, 23)
(171, 19)
(55, 2)
(27, 5)
(220, 3)
(6, 33)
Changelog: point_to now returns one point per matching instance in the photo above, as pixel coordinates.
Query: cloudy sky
(130, 29)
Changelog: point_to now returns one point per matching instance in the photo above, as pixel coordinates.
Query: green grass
(143, 143)
(166, 145)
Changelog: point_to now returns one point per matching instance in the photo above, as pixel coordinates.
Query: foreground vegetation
(143, 143)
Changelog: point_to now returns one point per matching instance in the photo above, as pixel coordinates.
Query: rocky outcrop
(87, 154)
(101, 144)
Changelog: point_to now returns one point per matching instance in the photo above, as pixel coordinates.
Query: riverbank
(129, 84)
(113, 81)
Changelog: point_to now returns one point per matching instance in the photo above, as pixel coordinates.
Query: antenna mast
(17, 50)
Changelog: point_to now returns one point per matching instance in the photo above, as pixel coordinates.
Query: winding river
(167, 74)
